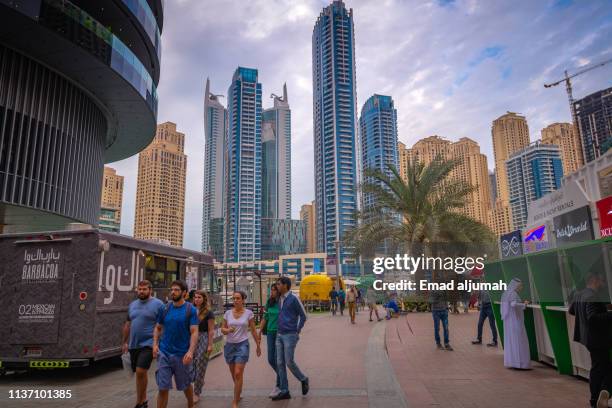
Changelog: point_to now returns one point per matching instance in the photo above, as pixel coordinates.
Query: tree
(422, 210)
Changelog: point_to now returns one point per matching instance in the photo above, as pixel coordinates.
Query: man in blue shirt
(143, 314)
(333, 298)
(177, 327)
(291, 319)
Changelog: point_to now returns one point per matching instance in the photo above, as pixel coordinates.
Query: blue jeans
(285, 349)
(486, 312)
(271, 343)
(440, 315)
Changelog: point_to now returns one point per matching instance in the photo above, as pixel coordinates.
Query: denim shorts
(236, 353)
(168, 366)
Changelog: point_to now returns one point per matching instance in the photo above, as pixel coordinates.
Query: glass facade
(532, 173)
(334, 124)
(108, 220)
(243, 163)
(594, 116)
(282, 237)
(378, 127)
(276, 171)
(215, 126)
(70, 21)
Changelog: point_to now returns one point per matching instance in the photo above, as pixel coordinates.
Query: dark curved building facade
(77, 89)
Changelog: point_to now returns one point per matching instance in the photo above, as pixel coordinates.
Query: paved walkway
(348, 367)
(471, 376)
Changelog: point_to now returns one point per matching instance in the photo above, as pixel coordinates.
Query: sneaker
(281, 396)
(439, 346)
(274, 392)
(476, 341)
(371, 320)
(602, 401)
(380, 318)
(448, 347)
(305, 386)
(492, 344)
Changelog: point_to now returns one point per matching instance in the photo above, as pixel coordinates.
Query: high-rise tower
(276, 163)
(334, 123)
(160, 188)
(379, 150)
(215, 121)
(243, 163)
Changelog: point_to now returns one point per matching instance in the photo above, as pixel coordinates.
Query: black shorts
(141, 358)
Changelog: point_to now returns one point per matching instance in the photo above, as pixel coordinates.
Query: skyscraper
(334, 124)
(563, 135)
(160, 190)
(215, 126)
(405, 157)
(379, 150)
(276, 163)
(510, 134)
(73, 96)
(112, 197)
(594, 116)
(243, 161)
(532, 173)
(307, 214)
(471, 168)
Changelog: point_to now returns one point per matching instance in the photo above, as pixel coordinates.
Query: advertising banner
(567, 198)
(604, 209)
(574, 226)
(535, 238)
(331, 266)
(35, 318)
(511, 244)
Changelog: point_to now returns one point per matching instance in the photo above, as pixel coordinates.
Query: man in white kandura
(516, 344)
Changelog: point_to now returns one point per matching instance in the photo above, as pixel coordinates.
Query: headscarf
(509, 295)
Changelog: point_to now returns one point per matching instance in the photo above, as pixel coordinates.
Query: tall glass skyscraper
(276, 170)
(334, 122)
(594, 116)
(532, 173)
(378, 126)
(215, 125)
(243, 159)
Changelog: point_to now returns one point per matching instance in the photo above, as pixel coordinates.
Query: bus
(66, 293)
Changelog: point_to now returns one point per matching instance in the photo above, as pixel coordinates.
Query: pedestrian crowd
(179, 335)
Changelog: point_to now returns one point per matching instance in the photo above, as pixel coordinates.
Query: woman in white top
(237, 322)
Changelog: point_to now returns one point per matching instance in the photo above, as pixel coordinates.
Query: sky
(451, 66)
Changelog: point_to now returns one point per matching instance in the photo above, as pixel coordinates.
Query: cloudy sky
(451, 66)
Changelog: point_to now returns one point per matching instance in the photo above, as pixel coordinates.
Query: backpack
(187, 314)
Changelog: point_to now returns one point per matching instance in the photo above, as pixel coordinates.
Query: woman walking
(269, 328)
(205, 341)
(516, 344)
(237, 322)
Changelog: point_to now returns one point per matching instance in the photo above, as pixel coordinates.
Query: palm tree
(423, 209)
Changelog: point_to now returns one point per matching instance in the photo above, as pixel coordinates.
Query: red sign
(604, 208)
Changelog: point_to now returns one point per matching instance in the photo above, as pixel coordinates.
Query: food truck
(66, 293)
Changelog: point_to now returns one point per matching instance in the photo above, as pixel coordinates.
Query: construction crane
(568, 88)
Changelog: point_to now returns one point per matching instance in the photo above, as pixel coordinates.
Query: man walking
(142, 316)
(486, 312)
(371, 301)
(333, 299)
(178, 329)
(439, 311)
(593, 329)
(351, 299)
(341, 300)
(291, 319)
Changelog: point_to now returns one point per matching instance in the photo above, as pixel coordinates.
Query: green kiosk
(551, 277)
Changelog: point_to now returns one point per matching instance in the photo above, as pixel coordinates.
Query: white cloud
(414, 51)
